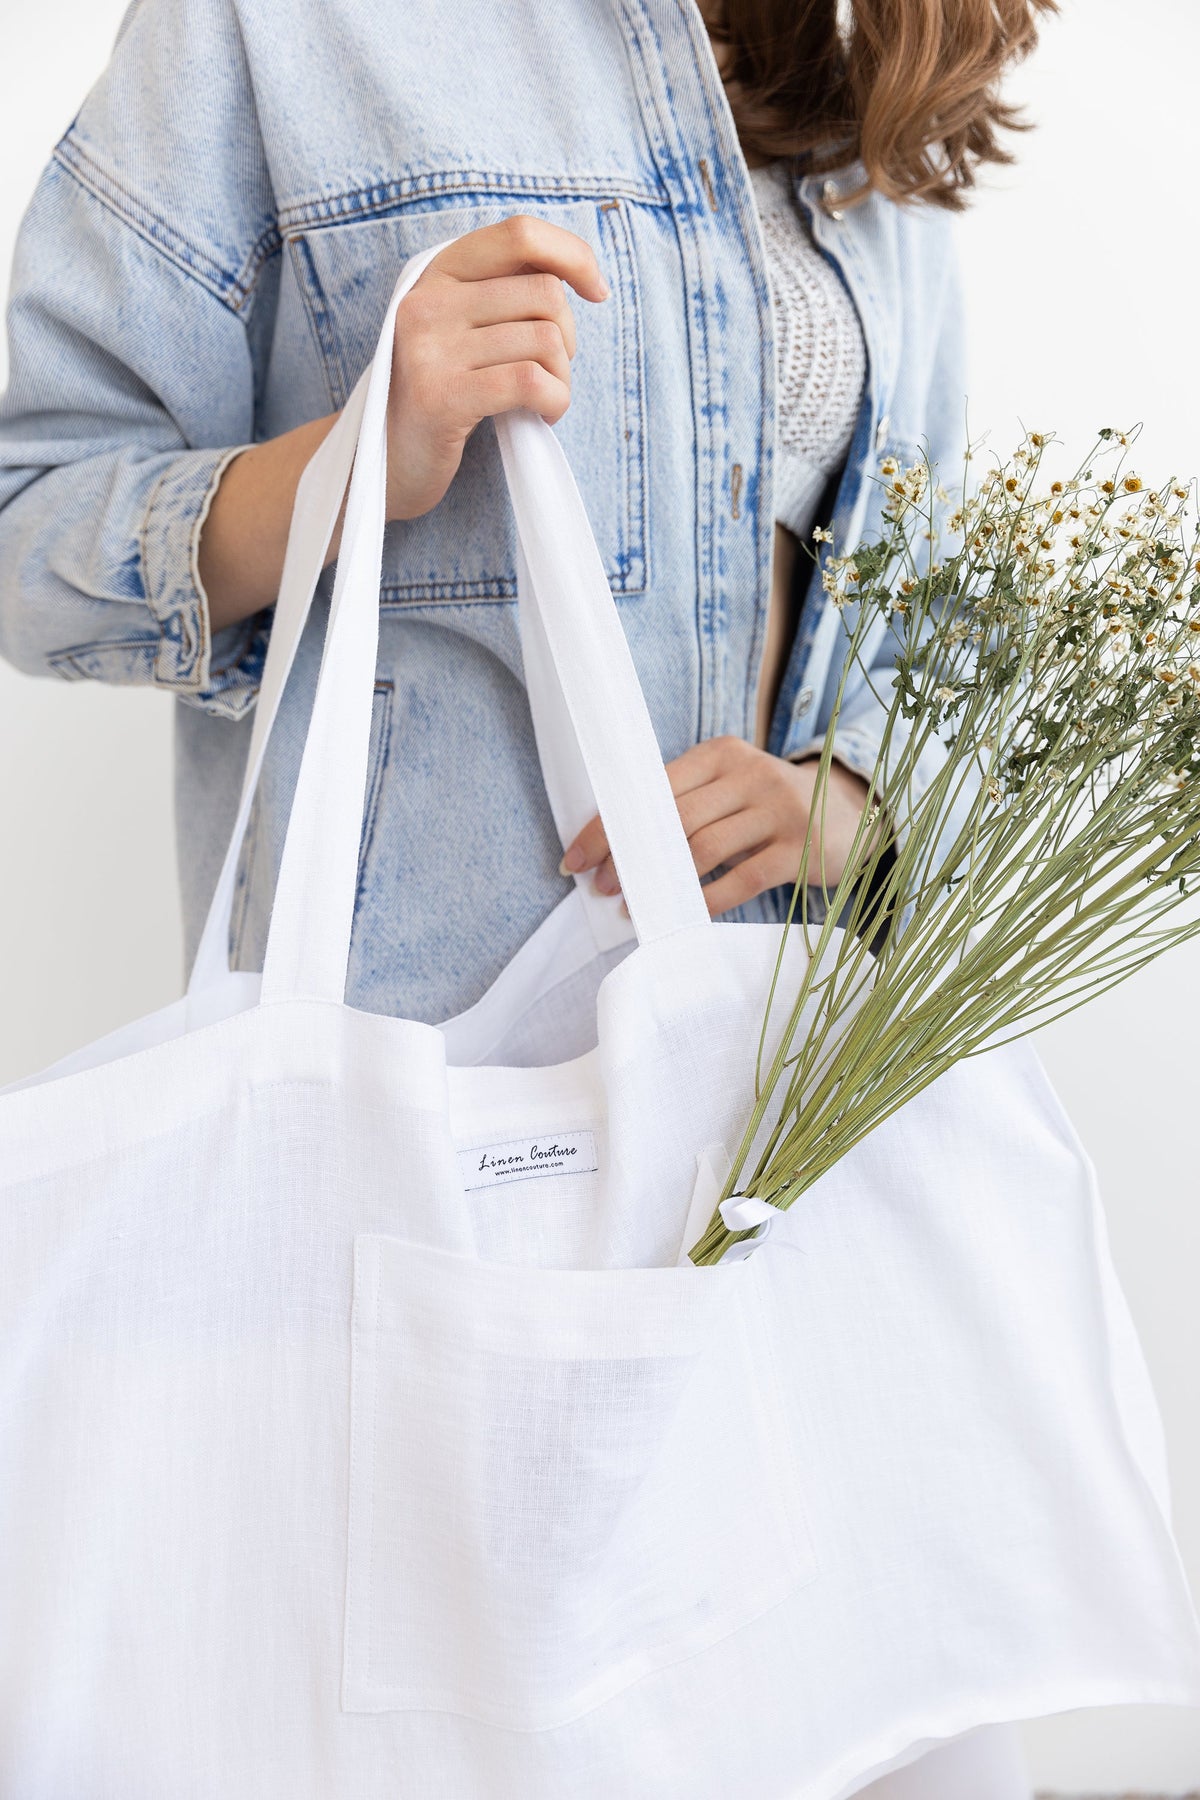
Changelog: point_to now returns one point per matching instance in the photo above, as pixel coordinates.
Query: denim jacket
(205, 263)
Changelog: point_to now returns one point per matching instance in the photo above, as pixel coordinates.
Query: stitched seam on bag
(389, 1692)
(373, 200)
(351, 1490)
(143, 1134)
(386, 1692)
(355, 1481)
(776, 1430)
(373, 1464)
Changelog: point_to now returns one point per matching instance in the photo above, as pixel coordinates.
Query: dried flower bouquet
(1055, 651)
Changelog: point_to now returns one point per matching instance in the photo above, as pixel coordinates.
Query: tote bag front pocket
(560, 1480)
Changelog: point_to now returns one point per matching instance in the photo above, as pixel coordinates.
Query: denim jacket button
(804, 700)
(830, 195)
(881, 431)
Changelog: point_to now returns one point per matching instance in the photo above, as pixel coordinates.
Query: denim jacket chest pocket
(464, 549)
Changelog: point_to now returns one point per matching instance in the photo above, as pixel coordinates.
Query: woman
(197, 286)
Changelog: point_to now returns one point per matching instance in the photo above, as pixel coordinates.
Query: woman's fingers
(523, 363)
(749, 831)
(747, 879)
(520, 297)
(459, 357)
(736, 835)
(485, 393)
(587, 851)
(525, 340)
(709, 782)
(714, 759)
(518, 245)
(749, 814)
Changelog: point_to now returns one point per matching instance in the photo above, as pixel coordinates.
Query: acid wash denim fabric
(206, 263)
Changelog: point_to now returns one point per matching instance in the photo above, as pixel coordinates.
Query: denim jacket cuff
(220, 673)
(851, 754)
(856, 745)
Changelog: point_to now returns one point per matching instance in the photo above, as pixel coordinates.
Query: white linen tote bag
(362, 1432)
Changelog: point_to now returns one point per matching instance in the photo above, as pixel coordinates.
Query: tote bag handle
(594, 732)
(319, 495)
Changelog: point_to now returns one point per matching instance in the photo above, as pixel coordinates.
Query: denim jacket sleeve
(135, 320)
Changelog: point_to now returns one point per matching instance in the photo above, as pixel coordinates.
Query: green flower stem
(1056, 657)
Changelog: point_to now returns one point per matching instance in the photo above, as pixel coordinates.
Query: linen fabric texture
(341, 1452)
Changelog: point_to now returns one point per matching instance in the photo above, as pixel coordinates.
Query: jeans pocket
(561, 1480)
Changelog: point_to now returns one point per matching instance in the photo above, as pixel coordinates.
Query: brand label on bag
(553, 1153)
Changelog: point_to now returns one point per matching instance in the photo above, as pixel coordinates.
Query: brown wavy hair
(908, 87)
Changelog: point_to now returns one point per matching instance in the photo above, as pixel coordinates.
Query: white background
(1082, 300)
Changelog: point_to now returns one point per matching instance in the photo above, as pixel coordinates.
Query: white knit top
(821, 359)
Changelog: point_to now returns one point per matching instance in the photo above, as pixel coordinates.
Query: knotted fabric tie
(741, 1212)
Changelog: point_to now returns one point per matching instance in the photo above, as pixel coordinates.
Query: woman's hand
(487, 328)
(748, 810)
